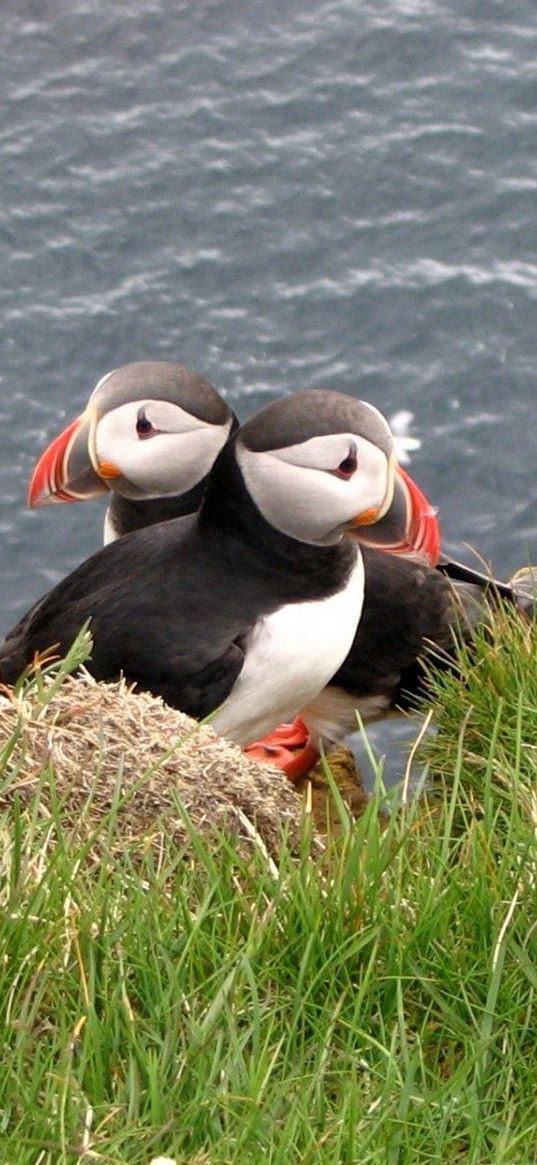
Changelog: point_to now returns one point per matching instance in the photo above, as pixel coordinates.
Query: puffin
(148, 437)
(408, 608)
(247, 609)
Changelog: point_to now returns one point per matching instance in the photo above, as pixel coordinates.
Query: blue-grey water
(314, 192)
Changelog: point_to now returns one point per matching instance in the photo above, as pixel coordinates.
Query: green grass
(378, 1008)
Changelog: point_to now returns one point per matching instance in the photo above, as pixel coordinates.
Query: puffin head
(150, 429)
(320, 465)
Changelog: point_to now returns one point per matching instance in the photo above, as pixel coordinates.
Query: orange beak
(409, 526)
(65, 472)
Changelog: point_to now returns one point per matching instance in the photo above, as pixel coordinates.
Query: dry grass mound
(108, 746)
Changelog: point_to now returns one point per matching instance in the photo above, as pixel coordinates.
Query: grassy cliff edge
(218, 1004)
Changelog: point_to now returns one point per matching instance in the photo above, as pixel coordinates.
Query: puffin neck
(229, 513)
(135, 514)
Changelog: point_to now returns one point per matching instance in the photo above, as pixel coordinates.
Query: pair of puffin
(245, 572)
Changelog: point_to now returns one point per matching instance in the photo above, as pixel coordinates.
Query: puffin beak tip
(423, 530)
(47, 483)
(64, 472)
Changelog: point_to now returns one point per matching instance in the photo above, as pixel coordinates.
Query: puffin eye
(144, 428)
(348, 466)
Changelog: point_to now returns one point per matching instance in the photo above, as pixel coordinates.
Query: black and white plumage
(410, 613)
(149, 437)
(253, 603)
(406, 607)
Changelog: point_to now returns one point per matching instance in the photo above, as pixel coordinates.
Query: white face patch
(179, 451)
(298, 491)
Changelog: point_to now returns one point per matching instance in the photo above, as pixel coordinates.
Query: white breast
(290, 656)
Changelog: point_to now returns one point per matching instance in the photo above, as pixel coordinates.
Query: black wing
(160, 613)
(406, 607)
